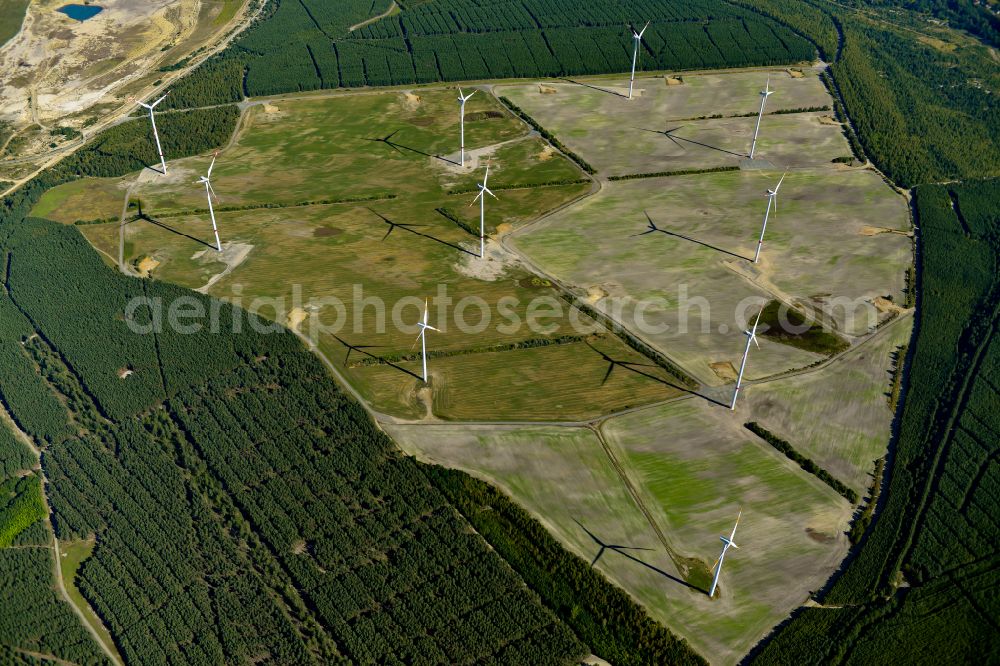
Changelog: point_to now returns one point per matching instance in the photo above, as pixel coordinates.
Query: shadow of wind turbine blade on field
(704, 244)
(593, 87)
(400, 147)
(166, 227)
(381, 361)
(665, 574)
(669, 133)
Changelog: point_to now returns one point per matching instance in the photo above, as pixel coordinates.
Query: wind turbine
(764, 94)
(462, 99)
(772, 198)
(718, 563)
(637, 36)
(156, 135)
(209, 193)
(751, 337)
(424, 327)
(482, 210)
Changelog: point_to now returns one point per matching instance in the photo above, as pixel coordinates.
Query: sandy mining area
(61, 72)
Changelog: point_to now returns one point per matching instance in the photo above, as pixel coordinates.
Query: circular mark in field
(723, 328)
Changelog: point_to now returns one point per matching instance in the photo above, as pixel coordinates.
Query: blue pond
(80, 12)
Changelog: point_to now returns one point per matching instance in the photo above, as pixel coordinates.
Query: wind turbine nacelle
(728, 542)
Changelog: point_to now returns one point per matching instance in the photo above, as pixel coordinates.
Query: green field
(282, 243)
(85, 199)
(698, 471)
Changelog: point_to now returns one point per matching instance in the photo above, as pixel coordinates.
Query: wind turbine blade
(428, 327)
(212, 165)
(776, 188)
(491, 193)
(420, 335)
(738, 516)
(212, 190)
(425, 313)
(478, 195)
(643, 29)
(611, 368)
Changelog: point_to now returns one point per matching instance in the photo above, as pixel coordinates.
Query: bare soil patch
(325, 232)
(295, 317)
(232, 255)
(491, 267)
(146, 265)
(724, 370)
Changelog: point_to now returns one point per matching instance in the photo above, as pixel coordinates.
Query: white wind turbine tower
(424, 327)
(209, 193)
(156, 135)
(637, 36)
(462, 99)
(772, 198)
(764, 94)
(718, 563)
(482, 210)
(751, 337)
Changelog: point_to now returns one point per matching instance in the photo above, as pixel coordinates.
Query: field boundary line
(630, 487)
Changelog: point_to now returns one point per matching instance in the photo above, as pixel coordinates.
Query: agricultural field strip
(112, 653)
(597, 422)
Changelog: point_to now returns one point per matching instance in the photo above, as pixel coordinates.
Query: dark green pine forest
(246, 509)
